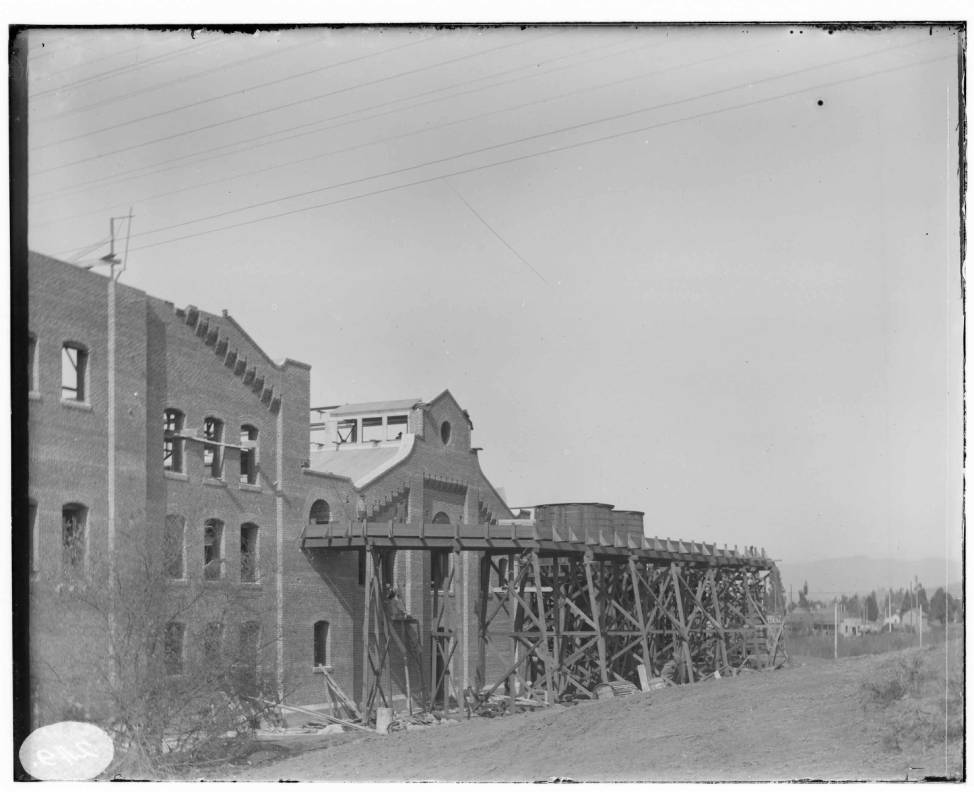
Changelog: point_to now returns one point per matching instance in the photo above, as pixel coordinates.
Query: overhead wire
(495, 146)
(111, 73)
(238, 92)
(181, 79)
(276, 108)
(423, 130)
(493, 231)
(520, 158)
(314, 127)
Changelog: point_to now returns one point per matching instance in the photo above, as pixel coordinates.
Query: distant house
(850, 626)
(915, 618)
(892, 621)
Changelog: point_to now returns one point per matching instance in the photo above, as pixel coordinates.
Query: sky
(708, 273)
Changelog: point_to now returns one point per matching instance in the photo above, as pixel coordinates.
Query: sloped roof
(360, 463)
(378, 406)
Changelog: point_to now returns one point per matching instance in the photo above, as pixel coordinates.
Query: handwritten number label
(67, 751)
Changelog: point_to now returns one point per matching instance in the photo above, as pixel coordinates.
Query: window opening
(248, 553)
(212, 550)
(32, 362)
(248, 651)
(173, 648)
(320, 513)
(32, 528)
(213, 451)
(213, 646)
(348, 431)
(445, 432)
(372, 430)
(441, 518)
(396, 426)
(321, 643)
(74, 369)
(439, 568)
(73, 518)
(388, 560)
(174, 546)
(248, 454)
(172, 444)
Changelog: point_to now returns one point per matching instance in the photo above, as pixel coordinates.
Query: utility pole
(112, 260)
(835, 631)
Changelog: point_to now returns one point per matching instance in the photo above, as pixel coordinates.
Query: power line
(567, 147)
(490, 228)
(484, 149)
(238, 92)
(313, 127)
(181, 79)
(68, 87)
(272, 109)
(421, 131)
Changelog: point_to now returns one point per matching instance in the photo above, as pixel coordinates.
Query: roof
(360, 463)
(378, 406)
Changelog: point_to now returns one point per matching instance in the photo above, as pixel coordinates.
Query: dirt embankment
(806, 721)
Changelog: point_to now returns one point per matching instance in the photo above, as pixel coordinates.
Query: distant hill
(862, 574)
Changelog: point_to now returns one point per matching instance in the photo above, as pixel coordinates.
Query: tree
(159, 670)
(939, 606)
(872, 607)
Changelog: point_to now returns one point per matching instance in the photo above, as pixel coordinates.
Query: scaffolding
(564, 610)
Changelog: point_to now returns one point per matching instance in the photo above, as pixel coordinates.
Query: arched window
(172, 443)
(320, 513)
(74, 518)
(213, 451)
(248, 454)
(173, 546)
(445, 432)
(321, 643)
(212, 550)
(248, 553)
(441, 518)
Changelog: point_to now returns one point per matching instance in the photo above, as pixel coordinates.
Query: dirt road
(806, 721)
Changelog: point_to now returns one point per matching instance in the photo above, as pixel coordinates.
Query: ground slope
(806, 721)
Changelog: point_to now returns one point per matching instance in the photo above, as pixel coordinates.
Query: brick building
(191, 458)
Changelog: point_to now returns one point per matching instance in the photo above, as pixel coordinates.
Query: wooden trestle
(563, 611)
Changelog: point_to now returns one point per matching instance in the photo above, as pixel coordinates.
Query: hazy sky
(707, 273)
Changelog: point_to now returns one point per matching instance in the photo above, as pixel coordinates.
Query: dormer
(365, 424)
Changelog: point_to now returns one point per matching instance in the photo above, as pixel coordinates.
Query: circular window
(445, 432)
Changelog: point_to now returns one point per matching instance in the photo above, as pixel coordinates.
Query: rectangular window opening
(372, 430)
(248, 553)
(347, 431)
(174, 547)
(73, 541)
(172, 444)
(396, 427)
(32, 363)
(248, 455)
(213, 550)
(74, 369)
(213, 451)
(173, 648)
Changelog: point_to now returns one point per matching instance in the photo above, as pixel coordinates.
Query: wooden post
(638, 604)
(596, 617)
(543, 628)
(366, 629)
(675, 577)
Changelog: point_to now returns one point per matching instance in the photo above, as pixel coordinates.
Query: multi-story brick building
(189, 458)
